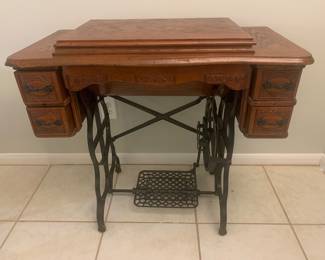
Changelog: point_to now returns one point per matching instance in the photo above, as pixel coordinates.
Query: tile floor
(275, 212)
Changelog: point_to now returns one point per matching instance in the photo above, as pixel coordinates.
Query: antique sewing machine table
(249, 73)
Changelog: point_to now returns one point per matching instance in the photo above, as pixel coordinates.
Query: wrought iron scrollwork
(216, 144)
(215, 137)
(103, 138)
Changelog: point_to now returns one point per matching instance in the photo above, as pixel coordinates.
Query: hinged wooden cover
(215, 35)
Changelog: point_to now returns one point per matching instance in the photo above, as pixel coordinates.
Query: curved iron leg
(218, 172)
(103, 129)
(220, 161)
(228, 134)
(100, 198)
(118, 165)
(223, 202)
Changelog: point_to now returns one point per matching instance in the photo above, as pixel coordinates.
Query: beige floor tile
(4, 230)
(51, 241)
(147, 241)
(302, 191)
(123, 209)
(205, 180)
(67, 194)
(17, 184)
(251, 198)
(249, 242)
(312, 239)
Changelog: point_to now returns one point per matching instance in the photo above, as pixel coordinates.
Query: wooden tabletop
(270, 48)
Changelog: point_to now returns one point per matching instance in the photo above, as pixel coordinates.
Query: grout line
(26, 205)
(138, 164)
(99, 245)
(157, 222)
(24, 164)
(105, 221)
(286, 214)
(149, 222)
(106, 216)
(163, 222)
(240, 223)
(109, 202)
(308, 224)
(111, 196)
(287, 165)
(159, 164)
(56, 221)
(197, 234)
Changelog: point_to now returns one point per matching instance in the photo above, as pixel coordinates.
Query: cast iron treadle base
(166, 189)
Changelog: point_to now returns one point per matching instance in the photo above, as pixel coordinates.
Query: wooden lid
(217, 35)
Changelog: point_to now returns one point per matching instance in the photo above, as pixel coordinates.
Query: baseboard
(161, 158)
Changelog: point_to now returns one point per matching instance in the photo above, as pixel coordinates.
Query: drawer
(275, 82)
(52, 121)
(157, 80)
(268, 121)
(43, 87)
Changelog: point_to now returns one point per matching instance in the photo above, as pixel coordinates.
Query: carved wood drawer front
(276, 83)
(51, 121)
(163, 80)
(44, 87)
(268, 121)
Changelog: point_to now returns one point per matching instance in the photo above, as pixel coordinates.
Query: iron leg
(100, 214)
(100, 196)
(223, 197)
(217, 179)
(217, 145)
(118, 165)
(91, 104)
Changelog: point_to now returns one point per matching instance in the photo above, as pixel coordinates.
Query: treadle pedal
(166, 189)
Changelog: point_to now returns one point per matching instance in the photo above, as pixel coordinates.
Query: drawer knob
(44, 90)
(289, 86)
(42, 123)
(278, 123)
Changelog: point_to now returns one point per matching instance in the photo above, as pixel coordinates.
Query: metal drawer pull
(46, 89)
(289, 86)
(278, 123)
(42, 123)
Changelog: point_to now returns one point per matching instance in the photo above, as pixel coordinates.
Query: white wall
(23, 22)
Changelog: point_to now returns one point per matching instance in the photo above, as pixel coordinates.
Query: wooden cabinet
(53, 110)
(271, 101)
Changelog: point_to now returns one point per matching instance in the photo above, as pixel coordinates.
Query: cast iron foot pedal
(166, 189)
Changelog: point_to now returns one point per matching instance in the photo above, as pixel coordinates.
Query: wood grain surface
(161, 57)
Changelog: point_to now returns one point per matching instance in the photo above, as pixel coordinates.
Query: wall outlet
(111, 107)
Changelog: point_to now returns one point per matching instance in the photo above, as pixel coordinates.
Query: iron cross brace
(215, 137)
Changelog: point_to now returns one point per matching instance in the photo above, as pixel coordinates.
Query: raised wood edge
(39, 55)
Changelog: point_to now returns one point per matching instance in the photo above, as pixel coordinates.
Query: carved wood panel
(157, 80)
